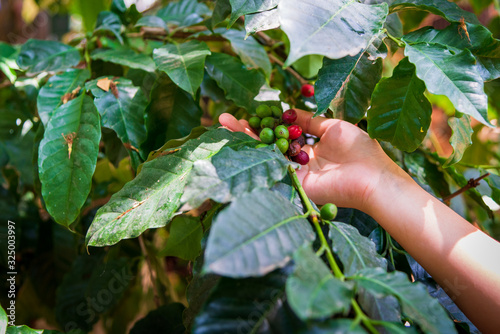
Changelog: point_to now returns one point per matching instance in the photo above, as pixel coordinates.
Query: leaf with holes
(333, 29)
(67, 158)
(231, 173)
(152, 198)
(183, 63)
(257, 233)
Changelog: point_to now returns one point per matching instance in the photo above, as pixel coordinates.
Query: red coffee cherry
(289, 116)
(301, 158)
(307, 90)
(294, 132)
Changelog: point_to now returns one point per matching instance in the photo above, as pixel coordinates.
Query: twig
(472, 183)
(153, 279)
(289, 69)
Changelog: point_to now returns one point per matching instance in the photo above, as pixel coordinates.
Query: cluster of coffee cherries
(273, 126)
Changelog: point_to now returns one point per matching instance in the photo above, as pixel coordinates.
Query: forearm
(462, 259)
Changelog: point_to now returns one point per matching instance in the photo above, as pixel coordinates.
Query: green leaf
(221, 10)
(88, 283)
(240, 85)
(152, 21)
(494, 183)
(444, 8)
(265, 20)
(8, 65)
(51, 56)
(165, 319)
(257, 233)
(51, 94)
(25, 330)
(183, 63)
(242, 7)
(66, 175)
(184, 240)
(252, 305)
(312, 291)
(183, 12)
(400, 113)
(126, 57)
(340, 326)
(427, 173)
(460, 139)
(151, 199)
(3, 320)
(251, 53)
(109, 22)
(354, 250)
(172, 113)
(231, 173)
(453, 75)
(332, 29)
(413, 297)
(349, 82)
(308, 66)
(123, 113)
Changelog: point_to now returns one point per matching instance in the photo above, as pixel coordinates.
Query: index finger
(315, 126)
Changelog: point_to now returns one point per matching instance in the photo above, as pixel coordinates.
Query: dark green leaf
(332, 29)
(354, 250)
(337, 326)
(400, 113)
(413, 297)
(39, 56)
(127, 57)
(312, 291)
(255, 234)
(67, 158)
(360, 220)
(184, 240)
(252, 305)
(231, 173)
(239, 84)
(386, 308)
(489, 68)
(448, 10)
(349, 82)
(165, 319)
(460, 139)
(266, 20)
(8, 65)
(183, 12)
(396, 328)
(494, 183)
(427, 173)
(109, 22)
(183, 63)
(221, 10)
(123, 113)
(453, 75)
(152, 198)
(251, 53)
(151, 21)
(242, 7)
(51, 94)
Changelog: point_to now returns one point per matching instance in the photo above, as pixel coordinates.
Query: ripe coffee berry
(301, 158)
(289, 116)
(307, 90)
(263, 111)
(328, 211)
(282, 144)
(294, 131)
(267, 136)
(254, 122)
(301, 140)
(281, 132)
(294, 148)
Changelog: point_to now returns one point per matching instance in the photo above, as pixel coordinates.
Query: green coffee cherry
(267, 136)
(261, 145)
(267, 122)
(263, 111)
(328, 211)
(281, 131)
(254, 122)
(277, 112)
(282, 144)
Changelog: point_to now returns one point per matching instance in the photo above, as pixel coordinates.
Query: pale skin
(350, 169)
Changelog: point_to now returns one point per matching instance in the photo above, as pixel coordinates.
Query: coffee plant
(135, 212)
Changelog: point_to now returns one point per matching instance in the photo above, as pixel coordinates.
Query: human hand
(345, 165)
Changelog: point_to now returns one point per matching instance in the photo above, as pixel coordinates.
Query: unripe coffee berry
(263, 111)
(328, 211)
(254, 122)
(267, 136)
(276, 112)
(294, 148)
(294, 131)
(281, 132)
(289, 116)
(282, 144)
(307, 90)
(268, 122)
(301, 158)
(261, 145)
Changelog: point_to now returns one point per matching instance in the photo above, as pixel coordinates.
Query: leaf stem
(362, 316)
(396, 40)
(472, 183)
